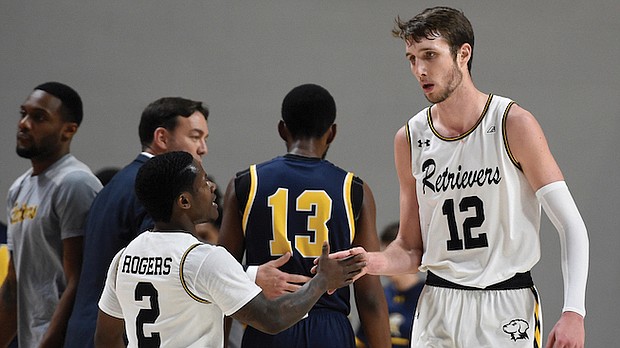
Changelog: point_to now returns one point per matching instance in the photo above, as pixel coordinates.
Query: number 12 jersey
(461, 183)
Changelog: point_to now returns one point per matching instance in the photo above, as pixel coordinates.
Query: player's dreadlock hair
(162, 179)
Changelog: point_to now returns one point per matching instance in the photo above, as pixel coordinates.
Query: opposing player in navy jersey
(474, 170)
(292, 204)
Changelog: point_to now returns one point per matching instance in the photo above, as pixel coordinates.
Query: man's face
(190, 135)
(41, 126)
(203, 197)
(435, 68)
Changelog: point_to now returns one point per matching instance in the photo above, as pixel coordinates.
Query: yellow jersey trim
(505, 136)
(484, 112)
(348, 180)
(537, 324)
(251, 197)
(182, 278)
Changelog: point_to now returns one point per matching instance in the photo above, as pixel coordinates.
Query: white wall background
(557, 59)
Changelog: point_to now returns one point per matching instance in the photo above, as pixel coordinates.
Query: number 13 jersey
(293, 204)
(479, 217)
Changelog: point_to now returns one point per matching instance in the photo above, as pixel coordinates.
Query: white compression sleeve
(561, 209)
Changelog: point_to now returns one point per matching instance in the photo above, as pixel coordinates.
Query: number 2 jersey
(294, 203)
(173, 291)
(479, 217)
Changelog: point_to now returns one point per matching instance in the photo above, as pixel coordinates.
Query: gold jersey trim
(482, 115)
(505, 136)
(187, 290)
(408, 133)
(346, 190)
(537, 326)
(251, 197)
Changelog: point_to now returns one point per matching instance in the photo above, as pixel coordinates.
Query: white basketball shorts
(455, 318)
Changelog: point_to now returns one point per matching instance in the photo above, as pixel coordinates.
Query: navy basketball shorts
(321, 328)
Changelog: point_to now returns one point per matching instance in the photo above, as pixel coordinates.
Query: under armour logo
(491, 129)
(426, 142)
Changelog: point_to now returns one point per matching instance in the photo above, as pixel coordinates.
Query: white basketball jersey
(478, 215)
(173, 291)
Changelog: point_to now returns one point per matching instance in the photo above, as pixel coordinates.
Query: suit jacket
(115, 218)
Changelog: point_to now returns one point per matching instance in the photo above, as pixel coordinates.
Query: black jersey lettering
(150, 265)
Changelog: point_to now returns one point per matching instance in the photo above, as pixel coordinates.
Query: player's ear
(464, 54)
(331, 133)
(68, 130)
(160, 138)
(183, 201)
(283, 131)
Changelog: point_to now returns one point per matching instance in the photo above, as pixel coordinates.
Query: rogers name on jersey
(152, 265)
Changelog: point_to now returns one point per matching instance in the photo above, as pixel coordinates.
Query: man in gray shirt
(46, 209)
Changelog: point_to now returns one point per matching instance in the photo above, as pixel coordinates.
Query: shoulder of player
(80, 177)
(519, 119)
(522, 130)
(524, 134)
(70, 169)
(401, 138)
(209, 257)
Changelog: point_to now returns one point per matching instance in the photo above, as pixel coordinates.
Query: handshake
(351, 263)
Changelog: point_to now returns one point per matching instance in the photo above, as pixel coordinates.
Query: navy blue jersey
(294, 203)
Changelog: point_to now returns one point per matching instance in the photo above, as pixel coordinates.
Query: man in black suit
(116, 216)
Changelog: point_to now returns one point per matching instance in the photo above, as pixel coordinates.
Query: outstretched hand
(348, 265)
(568, 332)
(276, 283)
(344, 254)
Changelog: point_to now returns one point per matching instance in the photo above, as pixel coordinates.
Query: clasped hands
(275, 282)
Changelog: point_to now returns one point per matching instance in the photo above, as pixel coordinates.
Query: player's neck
(313, 148)
(459, 112)
(173, 226)
(39, 165)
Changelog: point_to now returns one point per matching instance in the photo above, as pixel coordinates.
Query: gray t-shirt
(42, 211)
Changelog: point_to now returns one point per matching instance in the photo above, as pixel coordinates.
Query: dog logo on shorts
(517, 329)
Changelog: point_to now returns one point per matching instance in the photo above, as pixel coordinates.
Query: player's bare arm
(273, 316)
(109, 333)
(529, 147)
(406, 250)
(231, 231)
(369, 295)
(404, 254)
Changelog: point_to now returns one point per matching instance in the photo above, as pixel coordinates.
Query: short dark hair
(389, 233)
(71, 109)
(160, 181)
(308, 111)
(163, 113)
(434, 22)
